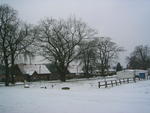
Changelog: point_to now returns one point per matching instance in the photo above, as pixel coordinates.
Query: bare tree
(15, 39)
(7, 19)
(88, 56)
(139, 58)
(107, 52)
(19, 42)
(59, 40)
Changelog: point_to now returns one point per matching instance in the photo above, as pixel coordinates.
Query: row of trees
(99, 54)
(15, 39)
(63, 41)
(59, 41)
(139, 58)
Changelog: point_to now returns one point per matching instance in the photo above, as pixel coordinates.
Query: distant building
(31, 72)
(130, 73)
(75, 68)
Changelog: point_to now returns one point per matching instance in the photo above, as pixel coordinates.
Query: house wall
(36, 77)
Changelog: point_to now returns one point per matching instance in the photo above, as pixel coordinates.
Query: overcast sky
(127, 22)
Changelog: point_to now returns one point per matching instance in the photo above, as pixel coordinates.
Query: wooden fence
(117, 82)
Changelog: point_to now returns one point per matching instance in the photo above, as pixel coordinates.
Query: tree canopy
(139, 58)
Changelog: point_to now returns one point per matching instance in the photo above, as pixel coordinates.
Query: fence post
(105, 84)
(116, 82)
(127, 80)
(99, 84)
(123, 80)
(139, 79)
(119, 81)
(147, 77)
(111, 83)
(134, 79)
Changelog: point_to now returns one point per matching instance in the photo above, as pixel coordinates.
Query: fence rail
(107, 83)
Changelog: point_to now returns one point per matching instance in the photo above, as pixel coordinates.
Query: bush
(65, 88)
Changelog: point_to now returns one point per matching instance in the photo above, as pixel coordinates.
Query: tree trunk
(62, 72)
(87, 71)
(12, 69)
(6, 72)
(103, 71)
(63, 77)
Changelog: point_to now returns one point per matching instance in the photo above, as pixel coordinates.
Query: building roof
(31, 68)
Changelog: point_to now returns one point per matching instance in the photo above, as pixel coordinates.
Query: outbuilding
(31, 72)
(130, 73)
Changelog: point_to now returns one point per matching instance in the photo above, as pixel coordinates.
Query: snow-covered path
(83, 97)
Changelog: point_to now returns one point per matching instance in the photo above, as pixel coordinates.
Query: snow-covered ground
(83, 97)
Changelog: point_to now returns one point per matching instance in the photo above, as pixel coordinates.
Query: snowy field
(83, 97)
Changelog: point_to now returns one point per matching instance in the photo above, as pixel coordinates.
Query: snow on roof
(131, 72)
(31, 68)
(135, 70)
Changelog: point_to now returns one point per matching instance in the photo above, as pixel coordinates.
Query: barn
(31, 72)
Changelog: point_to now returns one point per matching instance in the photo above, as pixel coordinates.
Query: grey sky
(127, 22)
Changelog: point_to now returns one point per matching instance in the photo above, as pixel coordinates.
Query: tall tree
(88, 56)
(7, 19)
(19, 42)
(59, 40)
(107, 53)
(15, 39)
(139, 58)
